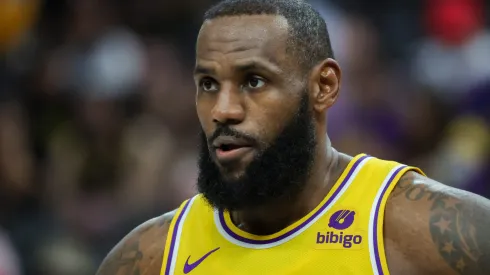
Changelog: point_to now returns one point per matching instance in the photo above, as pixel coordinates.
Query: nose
(229, 107)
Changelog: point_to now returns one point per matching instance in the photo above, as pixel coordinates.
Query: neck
(273, 217)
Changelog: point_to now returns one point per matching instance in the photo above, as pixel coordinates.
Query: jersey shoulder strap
(173, 237)
(388, 174)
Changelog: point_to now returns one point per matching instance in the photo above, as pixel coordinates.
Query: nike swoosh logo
(189, 267)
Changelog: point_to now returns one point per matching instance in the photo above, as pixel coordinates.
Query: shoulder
(436, 228)
(141, 251)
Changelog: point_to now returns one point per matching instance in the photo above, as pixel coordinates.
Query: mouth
(230, 149)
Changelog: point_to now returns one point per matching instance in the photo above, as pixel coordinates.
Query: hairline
(290, 43)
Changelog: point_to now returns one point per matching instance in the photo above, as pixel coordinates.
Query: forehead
(241, 37)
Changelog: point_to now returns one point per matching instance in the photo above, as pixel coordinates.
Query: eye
(254, 82)
(208, 85)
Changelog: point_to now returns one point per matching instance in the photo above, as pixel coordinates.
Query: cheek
(271, 115)
(204, 115)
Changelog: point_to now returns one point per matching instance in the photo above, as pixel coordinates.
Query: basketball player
(274, 196)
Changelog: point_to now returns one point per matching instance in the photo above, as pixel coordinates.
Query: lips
(228, 143)
(230, 149)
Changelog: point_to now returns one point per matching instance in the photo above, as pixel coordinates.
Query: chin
(233, 173)
(236, 169)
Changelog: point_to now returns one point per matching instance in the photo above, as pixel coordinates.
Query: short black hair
(308, 37)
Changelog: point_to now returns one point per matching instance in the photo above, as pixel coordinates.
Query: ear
(325, 84)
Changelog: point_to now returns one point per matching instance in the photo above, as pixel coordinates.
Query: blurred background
(98, 129)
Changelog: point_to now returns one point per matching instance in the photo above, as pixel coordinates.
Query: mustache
(223, 130)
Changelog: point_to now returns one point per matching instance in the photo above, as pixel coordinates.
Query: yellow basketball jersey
(342, 235)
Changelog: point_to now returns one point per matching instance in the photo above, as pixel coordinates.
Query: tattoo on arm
(127, 256)
(461, 235)
(415, 190)
(123, 261)
(459, 230)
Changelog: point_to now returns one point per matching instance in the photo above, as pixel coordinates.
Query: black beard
(278, 172)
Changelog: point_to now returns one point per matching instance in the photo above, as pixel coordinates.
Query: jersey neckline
(236, 235)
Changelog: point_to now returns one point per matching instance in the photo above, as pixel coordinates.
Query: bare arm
(141, 251)
(437, 229)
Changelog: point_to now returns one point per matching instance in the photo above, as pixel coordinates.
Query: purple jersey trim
(376, 222)
(174, 236)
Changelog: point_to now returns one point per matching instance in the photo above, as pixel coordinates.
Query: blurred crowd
(98, 130)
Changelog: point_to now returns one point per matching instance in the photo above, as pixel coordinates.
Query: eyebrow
(247, 66)
(204, 70)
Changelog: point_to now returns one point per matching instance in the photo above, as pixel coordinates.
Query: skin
(430, 228)
(228, 62)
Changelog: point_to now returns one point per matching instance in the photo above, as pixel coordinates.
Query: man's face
(258, 135)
